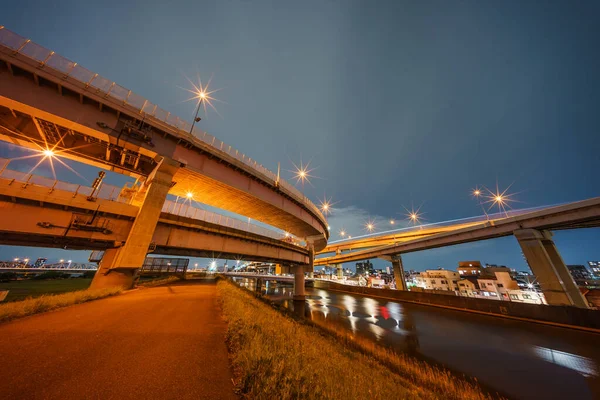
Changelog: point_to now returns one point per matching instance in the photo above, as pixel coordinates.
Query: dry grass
(17, 309)
(274, 356)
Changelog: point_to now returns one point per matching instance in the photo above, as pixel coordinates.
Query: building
(595, 268)
(364, 268)
(581, 275)
(438, 279)
(469, 268)
(526, 296)
(468, 287)
(497, 284)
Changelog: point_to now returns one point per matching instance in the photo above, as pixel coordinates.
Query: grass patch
(158, 281)
(275, 356)
(20, 290)
(17, 309)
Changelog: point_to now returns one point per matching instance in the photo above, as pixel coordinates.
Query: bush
(50, 275)
(8, 276)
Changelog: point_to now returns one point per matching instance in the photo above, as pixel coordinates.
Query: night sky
(395, 104)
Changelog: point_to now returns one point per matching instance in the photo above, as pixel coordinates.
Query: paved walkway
(157, 343)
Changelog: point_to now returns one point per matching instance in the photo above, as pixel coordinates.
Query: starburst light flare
(370, 225)
(302, 173)
(500, 199)
(414, 216)
(202, 94)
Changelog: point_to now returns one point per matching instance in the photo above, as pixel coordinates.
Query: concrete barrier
(560, 315)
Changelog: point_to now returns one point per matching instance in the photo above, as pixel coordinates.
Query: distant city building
(438, 279)
(469, 268)
(595, 268)
(468, 287)
(497, 284)
(581, 275)
(363, 268)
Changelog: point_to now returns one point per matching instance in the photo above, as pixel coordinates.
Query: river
(520, 359)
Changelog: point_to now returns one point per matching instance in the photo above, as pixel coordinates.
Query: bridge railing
(113, 193)
(106, 192)
(90, 81)
(189, 211)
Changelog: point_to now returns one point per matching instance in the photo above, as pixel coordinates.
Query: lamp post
(201, 96)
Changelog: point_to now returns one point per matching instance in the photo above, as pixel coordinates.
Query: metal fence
(165, 265)
(89, 81)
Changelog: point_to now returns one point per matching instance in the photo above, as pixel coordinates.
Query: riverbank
(275, 356)
(26, 288)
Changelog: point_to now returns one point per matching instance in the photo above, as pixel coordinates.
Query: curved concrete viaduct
(41, 104)
(48, 101)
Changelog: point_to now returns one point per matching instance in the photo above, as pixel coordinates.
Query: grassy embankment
(17, 309)
(21, 290)
(275, 356)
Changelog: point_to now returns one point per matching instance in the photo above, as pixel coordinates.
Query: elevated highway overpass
(50, 102)
(42, 212)
(532, 230)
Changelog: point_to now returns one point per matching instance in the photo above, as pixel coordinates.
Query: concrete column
(119, 266)
(299, 292)
(398, 272)
(549, 268)
(340, 271)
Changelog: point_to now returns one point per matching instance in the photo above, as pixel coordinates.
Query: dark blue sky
(395, 103)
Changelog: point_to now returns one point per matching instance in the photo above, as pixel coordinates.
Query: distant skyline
(396, 105)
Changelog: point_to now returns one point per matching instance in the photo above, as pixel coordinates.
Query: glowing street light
(342, 233)
(189, 195)
(203, 95)
(413, 215)
(392, 222)
(302, 173)
(500, 199)
(61, 260)
(370, 226)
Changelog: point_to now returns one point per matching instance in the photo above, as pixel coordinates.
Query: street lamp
(201, 95)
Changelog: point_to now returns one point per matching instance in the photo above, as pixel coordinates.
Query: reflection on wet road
(523, 360)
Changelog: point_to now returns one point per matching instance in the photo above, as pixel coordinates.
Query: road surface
(157, 343)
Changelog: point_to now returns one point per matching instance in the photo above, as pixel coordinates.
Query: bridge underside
(33, 217)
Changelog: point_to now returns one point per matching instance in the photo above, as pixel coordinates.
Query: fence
(92, 82)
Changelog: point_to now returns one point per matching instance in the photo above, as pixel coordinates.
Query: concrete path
(156, 343)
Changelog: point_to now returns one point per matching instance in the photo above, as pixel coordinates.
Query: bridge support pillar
(547, 265)
(398, 268)
(340, 271)
(399, 272)
(119, 266)
(299, 292)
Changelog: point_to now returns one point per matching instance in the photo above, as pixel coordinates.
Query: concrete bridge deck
(48, 100)
(36, 215)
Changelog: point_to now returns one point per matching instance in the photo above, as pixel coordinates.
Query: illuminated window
(514, 297)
